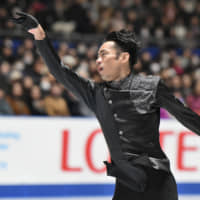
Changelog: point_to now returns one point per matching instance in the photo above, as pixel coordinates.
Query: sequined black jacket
(129, 114)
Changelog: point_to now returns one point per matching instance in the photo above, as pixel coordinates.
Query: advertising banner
(57, 157)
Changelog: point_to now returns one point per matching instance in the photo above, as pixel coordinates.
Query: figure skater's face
(112, 63)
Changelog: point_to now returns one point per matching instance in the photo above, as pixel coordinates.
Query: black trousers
(160, 186)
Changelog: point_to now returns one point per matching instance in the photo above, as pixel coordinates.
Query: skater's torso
(137, 119)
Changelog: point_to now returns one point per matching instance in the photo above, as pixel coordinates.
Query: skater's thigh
(161, 186)
(124, 193)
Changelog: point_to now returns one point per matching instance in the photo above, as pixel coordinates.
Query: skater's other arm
(182, 113)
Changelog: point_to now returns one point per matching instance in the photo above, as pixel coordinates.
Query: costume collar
(121, 84)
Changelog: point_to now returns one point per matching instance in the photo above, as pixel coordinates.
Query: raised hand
(25, 20)
(30, 24)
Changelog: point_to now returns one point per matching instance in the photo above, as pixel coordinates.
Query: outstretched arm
(184, 114)
(81, 87)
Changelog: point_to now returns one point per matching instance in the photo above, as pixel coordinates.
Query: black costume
(129, 114)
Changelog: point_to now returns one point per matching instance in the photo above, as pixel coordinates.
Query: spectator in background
(27, 85)
(176, 65)
(104, 19)
(5, 108)
(146, 61)
(54, 103)
(45, 85)
(187, 85)
(7, 53)
(77, 13)
(28, 44)
(5, 70)
(37, 106)
(194, 27)
(177, 83)
(193, 100)
(3, 17)
(37, 71)
(16, 100)
(117, 22)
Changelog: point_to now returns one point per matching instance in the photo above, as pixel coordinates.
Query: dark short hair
(127, 42)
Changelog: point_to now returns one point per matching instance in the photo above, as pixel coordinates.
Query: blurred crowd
(166, 18)
(26, 86)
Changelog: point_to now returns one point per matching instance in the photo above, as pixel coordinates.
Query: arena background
(51, 146)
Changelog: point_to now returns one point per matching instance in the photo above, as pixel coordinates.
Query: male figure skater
(128, 109)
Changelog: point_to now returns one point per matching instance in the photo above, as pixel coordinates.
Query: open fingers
(21, 14)
(17, 20)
